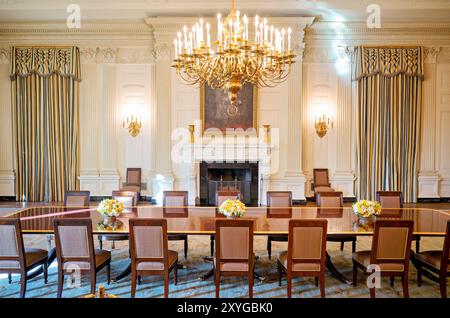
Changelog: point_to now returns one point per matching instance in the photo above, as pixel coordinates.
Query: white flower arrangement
(233, 208)
(366, 208)
(110, 207)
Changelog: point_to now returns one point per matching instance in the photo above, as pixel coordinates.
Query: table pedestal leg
(334, 272)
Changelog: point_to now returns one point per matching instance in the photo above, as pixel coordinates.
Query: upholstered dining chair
(321, 181)
(234, 251)
(14, 257)
(392, 200)
(391, 250)
(150, 254)
(437, 262)
(175, 205)
(335, 200)
(77, 199)
(129, 200)
(75, 251)
(306, 253)
(133, 181)
(279, 203)
(222, 196)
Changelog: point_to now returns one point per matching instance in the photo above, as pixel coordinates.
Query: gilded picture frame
(214, 106)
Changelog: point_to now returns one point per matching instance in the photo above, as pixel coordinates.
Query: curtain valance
(387, 62)
(45, 61)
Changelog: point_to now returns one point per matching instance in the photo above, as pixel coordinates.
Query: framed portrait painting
(216, 110)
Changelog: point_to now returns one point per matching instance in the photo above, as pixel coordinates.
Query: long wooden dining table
(194, 220)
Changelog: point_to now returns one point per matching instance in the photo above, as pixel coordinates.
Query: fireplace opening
(241, 176)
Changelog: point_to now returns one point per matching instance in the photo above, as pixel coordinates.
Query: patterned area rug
(189, 284)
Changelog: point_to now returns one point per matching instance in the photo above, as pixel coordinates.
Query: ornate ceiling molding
(5, 55)
(431, 54)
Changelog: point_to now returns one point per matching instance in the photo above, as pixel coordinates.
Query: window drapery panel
(389, 101)
(45, 83)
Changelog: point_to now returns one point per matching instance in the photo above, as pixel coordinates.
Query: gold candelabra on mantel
(232, 58)
(133, 125)
(323, 123)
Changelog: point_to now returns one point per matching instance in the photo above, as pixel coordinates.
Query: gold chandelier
(232, 59)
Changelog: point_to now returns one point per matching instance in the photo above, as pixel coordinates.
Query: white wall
(133, 66)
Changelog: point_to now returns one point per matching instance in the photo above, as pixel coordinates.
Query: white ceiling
(137, 10)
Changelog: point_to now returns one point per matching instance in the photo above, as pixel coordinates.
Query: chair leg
(139, 280)
(443, 286)
(93, 281)
(322, 284)
(289, 285)
(23, 284)
(354, 247)
(212, 245)
(175, 273)
(280, 272)
(166, 284)
(133, 284)
(269, 247)
(316, 281)
(250, 284)
(342, 246)
(9, 278)
(113, 246)
(392, 281)
(186, 247)
(49, 242)
(60, 282)
(217, 284)
(108, 273)
(372, 292)
(45, 270)
(355, 275)
(405, 286)
(418, 245)
(100, 242)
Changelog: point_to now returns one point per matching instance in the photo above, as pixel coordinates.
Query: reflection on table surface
(201, 220)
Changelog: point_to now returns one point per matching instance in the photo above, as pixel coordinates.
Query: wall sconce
(132, 120)
(323, 123)
(191, 131)
(267, 134)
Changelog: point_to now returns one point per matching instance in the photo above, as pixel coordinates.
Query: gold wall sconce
(267, 134)
(133, 125)
(323, 123)
(191, 132)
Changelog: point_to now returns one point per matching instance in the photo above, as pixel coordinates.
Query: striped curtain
(45, 123)
(389, 90)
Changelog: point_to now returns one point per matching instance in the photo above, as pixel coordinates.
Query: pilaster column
(343, 178)
(7, 176)
(428, 176)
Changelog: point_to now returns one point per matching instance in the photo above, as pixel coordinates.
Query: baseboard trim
(432, 200)
(346, 199)
(8, 198)
(299, 202)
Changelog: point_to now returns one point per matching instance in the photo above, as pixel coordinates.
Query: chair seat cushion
(308, 267)
(35, 255)
(323, 189)
(363, 258)
(158, 266)
(101, 257)
(432, 258)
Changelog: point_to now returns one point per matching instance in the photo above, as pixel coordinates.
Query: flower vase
(109, 219)
(232, 217)
(366, 220)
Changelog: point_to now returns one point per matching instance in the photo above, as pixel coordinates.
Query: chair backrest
(12, 255)
(74, 242)
(134, 176)
(234, 241)
(392, 242)
(224, 195)
(307, 243)
(175, 203)
(321, 177)
(330, 199)
(148, 241)
(279, 203)
(77, 198)
(128, 198)
(446, 252)
(390, 199)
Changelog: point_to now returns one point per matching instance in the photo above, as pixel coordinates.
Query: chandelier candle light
(232, 58)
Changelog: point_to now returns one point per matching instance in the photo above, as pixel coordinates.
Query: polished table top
(201, 220)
